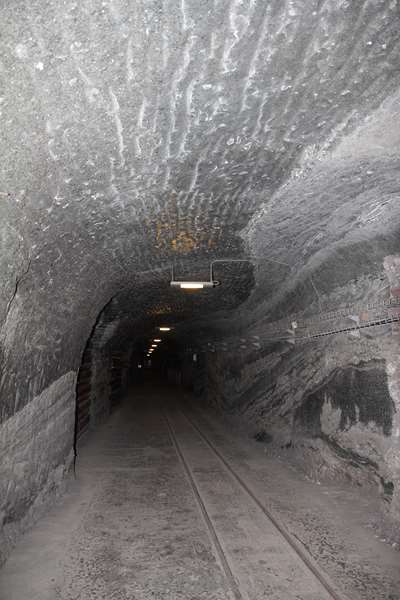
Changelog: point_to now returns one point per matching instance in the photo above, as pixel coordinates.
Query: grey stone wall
(392, 454)
(36, 450)
(331, 404)
(100, 388)
(332, 407)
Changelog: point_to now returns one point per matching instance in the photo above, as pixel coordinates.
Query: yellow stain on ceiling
(181, 234)
(183, 242)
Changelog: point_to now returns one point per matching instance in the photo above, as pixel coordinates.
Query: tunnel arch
(267, 130)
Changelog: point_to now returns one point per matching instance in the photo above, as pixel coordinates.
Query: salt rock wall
(331, 404)
(37, 443)
(100, 388)
(36, 451)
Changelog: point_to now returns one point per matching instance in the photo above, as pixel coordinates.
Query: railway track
(224, 562)
(239, 589)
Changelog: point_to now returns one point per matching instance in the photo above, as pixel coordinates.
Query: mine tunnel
(200, 300)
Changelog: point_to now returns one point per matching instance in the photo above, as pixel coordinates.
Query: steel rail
(204, 513)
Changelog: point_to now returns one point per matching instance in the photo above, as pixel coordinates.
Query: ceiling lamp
(157, 340)
(164, 328)
(154, 345)
(211, 283)
(193, 285)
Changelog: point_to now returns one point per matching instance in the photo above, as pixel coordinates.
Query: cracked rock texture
(138, 134)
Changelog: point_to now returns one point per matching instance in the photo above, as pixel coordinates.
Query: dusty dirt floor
(171, 502)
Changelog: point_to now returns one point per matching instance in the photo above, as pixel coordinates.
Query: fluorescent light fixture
(193, 285)
(164, 328)
(157, 340)
(154, 345)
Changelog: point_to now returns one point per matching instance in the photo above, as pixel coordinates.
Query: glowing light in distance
(157, 340)
(164, 328)
(154, 345)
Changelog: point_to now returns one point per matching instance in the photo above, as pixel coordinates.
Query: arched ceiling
(135, 134)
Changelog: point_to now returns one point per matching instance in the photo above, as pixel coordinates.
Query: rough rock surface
(35, 454)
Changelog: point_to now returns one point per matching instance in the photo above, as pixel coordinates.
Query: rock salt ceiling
(139, 134)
